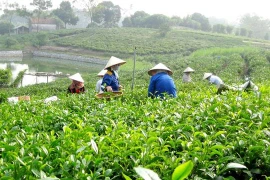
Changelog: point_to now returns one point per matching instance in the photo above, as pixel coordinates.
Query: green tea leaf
(235, 165)
(126, 177)
(35, 172)
(94, 146)
(146, 174)
(182, 171)
(21, 161)
(80, 149)
(45, 150)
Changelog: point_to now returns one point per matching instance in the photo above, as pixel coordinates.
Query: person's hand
(120, 88)
(109, 89)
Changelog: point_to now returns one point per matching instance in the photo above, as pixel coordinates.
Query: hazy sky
(232, 10)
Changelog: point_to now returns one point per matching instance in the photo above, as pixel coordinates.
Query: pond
(49, 66)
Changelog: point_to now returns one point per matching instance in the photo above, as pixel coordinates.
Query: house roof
(43, 21)
(18, 27)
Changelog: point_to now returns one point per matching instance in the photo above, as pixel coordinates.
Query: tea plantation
(81, 137)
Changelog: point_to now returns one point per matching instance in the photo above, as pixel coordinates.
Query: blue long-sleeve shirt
(110, 79)
(161, 83)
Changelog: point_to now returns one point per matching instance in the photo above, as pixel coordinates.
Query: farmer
(161, 82)
(110, 80)
(77, 85)
(186, 75)
(98, 84)
(213, 79)
(247, 86)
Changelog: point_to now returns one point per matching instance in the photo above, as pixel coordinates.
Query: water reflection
(47, 65)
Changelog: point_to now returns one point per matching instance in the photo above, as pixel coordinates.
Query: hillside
(238, 56)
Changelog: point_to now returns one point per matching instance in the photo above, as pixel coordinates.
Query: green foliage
(41, 40)
(10, 41)
(5, 27)
(18, 79)
(182, 171)
(255, 24)
(106, 139)
(106, 14)
(3, 97)
(156, 21)
(66, 14)
(147, 41)
(5, 77)
(204, 22)
(164, 29)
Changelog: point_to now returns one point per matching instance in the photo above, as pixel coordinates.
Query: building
(43, 24)
(21, 29)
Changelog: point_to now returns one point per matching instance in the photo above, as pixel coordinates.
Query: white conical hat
(113, 61)
(160, 66)
(188, 69)
(102, 73)
(206, 75)
(76, 77)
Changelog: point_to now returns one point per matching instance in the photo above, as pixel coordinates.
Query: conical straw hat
(76, 77)
(188, 69)
(160, 66)
(114, 61)
(206, 75)
(102, 73)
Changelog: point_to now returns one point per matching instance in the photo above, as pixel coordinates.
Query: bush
(41, 40)
(3, 97)
(10, 41)
(5, 77)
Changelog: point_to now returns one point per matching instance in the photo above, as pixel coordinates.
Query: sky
(231, 10)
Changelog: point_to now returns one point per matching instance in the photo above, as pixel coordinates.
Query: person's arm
(105, 85)
(69, 90)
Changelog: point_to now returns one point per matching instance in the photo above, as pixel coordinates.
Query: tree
(229, 29)
(127, 22)
(188, 22)
(66, 14)
(243, 31)
(256, 24)
(107, 14)
(205, 25)
(89, 6)
(176, 21)
(157, 21)
(139, 18)
(164, 29)
(9, 12)
(41, 5)
(4, 27)
(219, 28)
(23, 12)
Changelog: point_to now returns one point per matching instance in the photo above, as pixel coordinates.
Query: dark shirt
(110, 79)
(73, 90)
(161, 83)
